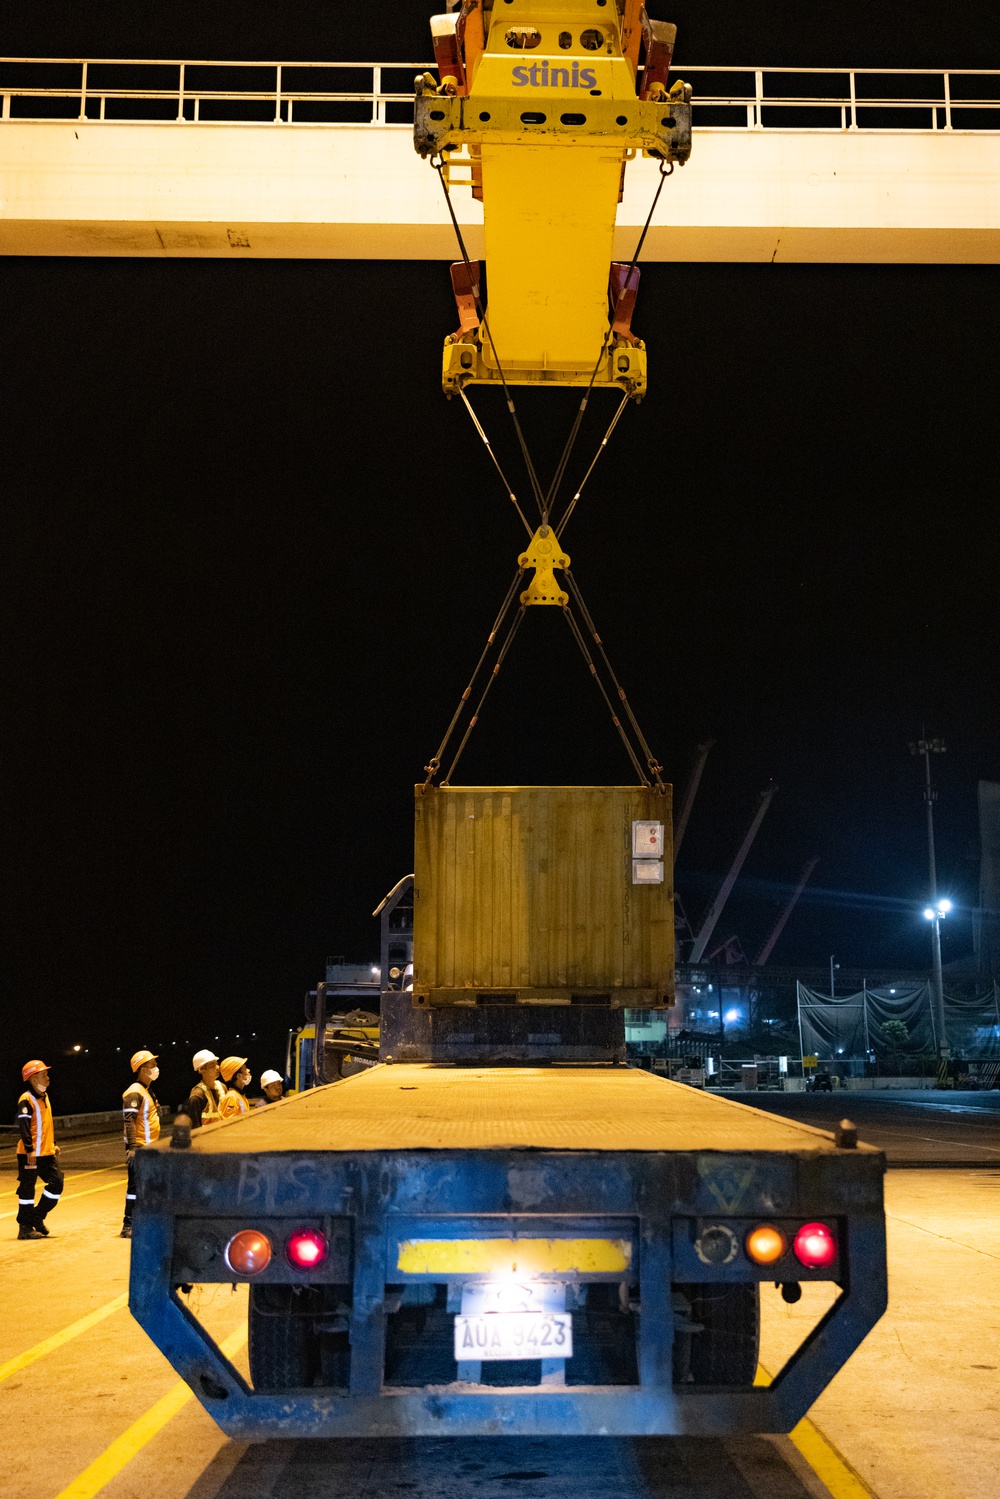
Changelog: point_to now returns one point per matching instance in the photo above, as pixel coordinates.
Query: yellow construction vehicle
(538, 107)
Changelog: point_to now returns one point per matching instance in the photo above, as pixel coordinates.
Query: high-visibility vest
(233, 1104)
(213, 1094)
(147, 1120)
(43, 1139)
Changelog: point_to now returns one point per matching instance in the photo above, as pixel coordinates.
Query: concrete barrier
(887, 1084)
(105, 1121)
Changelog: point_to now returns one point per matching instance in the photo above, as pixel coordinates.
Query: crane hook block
(544, 554)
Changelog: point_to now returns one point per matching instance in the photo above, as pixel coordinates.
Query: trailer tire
(725, 1351)
(283, 1347)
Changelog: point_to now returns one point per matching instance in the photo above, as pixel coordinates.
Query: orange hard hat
(231, 1066)
(30, 1068)
(141, 1058)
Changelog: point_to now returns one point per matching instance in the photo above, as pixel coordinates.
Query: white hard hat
(202, 1058)
(270, 1077)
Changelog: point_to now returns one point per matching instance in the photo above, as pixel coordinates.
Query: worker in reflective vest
(206, 1096)
(236, 1075)
(141, 1114)
(36, 1153)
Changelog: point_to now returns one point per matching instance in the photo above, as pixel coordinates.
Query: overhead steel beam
(90, 187)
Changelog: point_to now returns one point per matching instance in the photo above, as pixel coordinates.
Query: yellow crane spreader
(543, 103)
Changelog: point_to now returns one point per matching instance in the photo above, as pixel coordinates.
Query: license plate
(507, 1335)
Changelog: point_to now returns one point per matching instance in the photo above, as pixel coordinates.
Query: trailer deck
(426, 1106)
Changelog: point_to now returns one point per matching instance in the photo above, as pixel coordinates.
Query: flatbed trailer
(599, 1200)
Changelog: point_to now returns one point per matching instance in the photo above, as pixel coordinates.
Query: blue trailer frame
(366, 1201)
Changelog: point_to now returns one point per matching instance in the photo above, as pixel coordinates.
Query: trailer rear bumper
(462, 1410)
(377, 1205)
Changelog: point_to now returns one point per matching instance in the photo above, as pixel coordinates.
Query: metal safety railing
(201, 92)
(363, 93)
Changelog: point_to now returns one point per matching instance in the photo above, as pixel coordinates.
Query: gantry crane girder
(537, 107)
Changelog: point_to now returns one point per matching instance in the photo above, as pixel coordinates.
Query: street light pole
(936, 908)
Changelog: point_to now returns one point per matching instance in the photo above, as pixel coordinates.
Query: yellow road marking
(124, 1448)
(49, 1345)
(94, 1171)
(71, 1196)
(829, 1465)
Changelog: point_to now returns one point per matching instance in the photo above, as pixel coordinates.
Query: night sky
(248, 568)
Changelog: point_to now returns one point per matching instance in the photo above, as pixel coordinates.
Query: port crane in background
(730, 951)
(711, 917)
(768, 945)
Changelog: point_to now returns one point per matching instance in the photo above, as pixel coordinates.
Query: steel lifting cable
(515, 626)
(544, 506)
(434, 764)
(496, 462)
(578, 636)
(655, 767)
(666, 170)
(560, 528)
(437, 162)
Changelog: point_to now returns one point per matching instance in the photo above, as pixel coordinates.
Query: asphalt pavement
(919, 1128)
(533, 1468)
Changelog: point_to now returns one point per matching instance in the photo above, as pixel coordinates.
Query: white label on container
(647, 840)
(647, 871)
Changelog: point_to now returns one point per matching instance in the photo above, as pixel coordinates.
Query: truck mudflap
(632, 1232)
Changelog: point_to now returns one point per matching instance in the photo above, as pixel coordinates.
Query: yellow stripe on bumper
(513, 1256)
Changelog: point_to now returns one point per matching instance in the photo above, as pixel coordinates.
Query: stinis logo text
(540, 76)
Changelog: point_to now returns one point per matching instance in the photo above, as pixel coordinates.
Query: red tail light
(815, 1246)
(307, 1248)
(248, 1252)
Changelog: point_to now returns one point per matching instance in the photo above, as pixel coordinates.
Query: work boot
(29, 1233)
(126, 1232)
(41, 1229)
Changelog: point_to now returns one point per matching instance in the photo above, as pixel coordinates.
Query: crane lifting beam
(549, 102)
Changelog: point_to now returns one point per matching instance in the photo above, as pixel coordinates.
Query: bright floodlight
(929, 913)
(732, 1015)
(944, 906)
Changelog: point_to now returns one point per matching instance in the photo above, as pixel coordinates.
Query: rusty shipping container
(544, 894)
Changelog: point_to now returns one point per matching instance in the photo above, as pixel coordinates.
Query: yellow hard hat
(231, 1066)
(141, 1058)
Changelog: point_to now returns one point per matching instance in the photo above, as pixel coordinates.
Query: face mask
(154, 1074)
